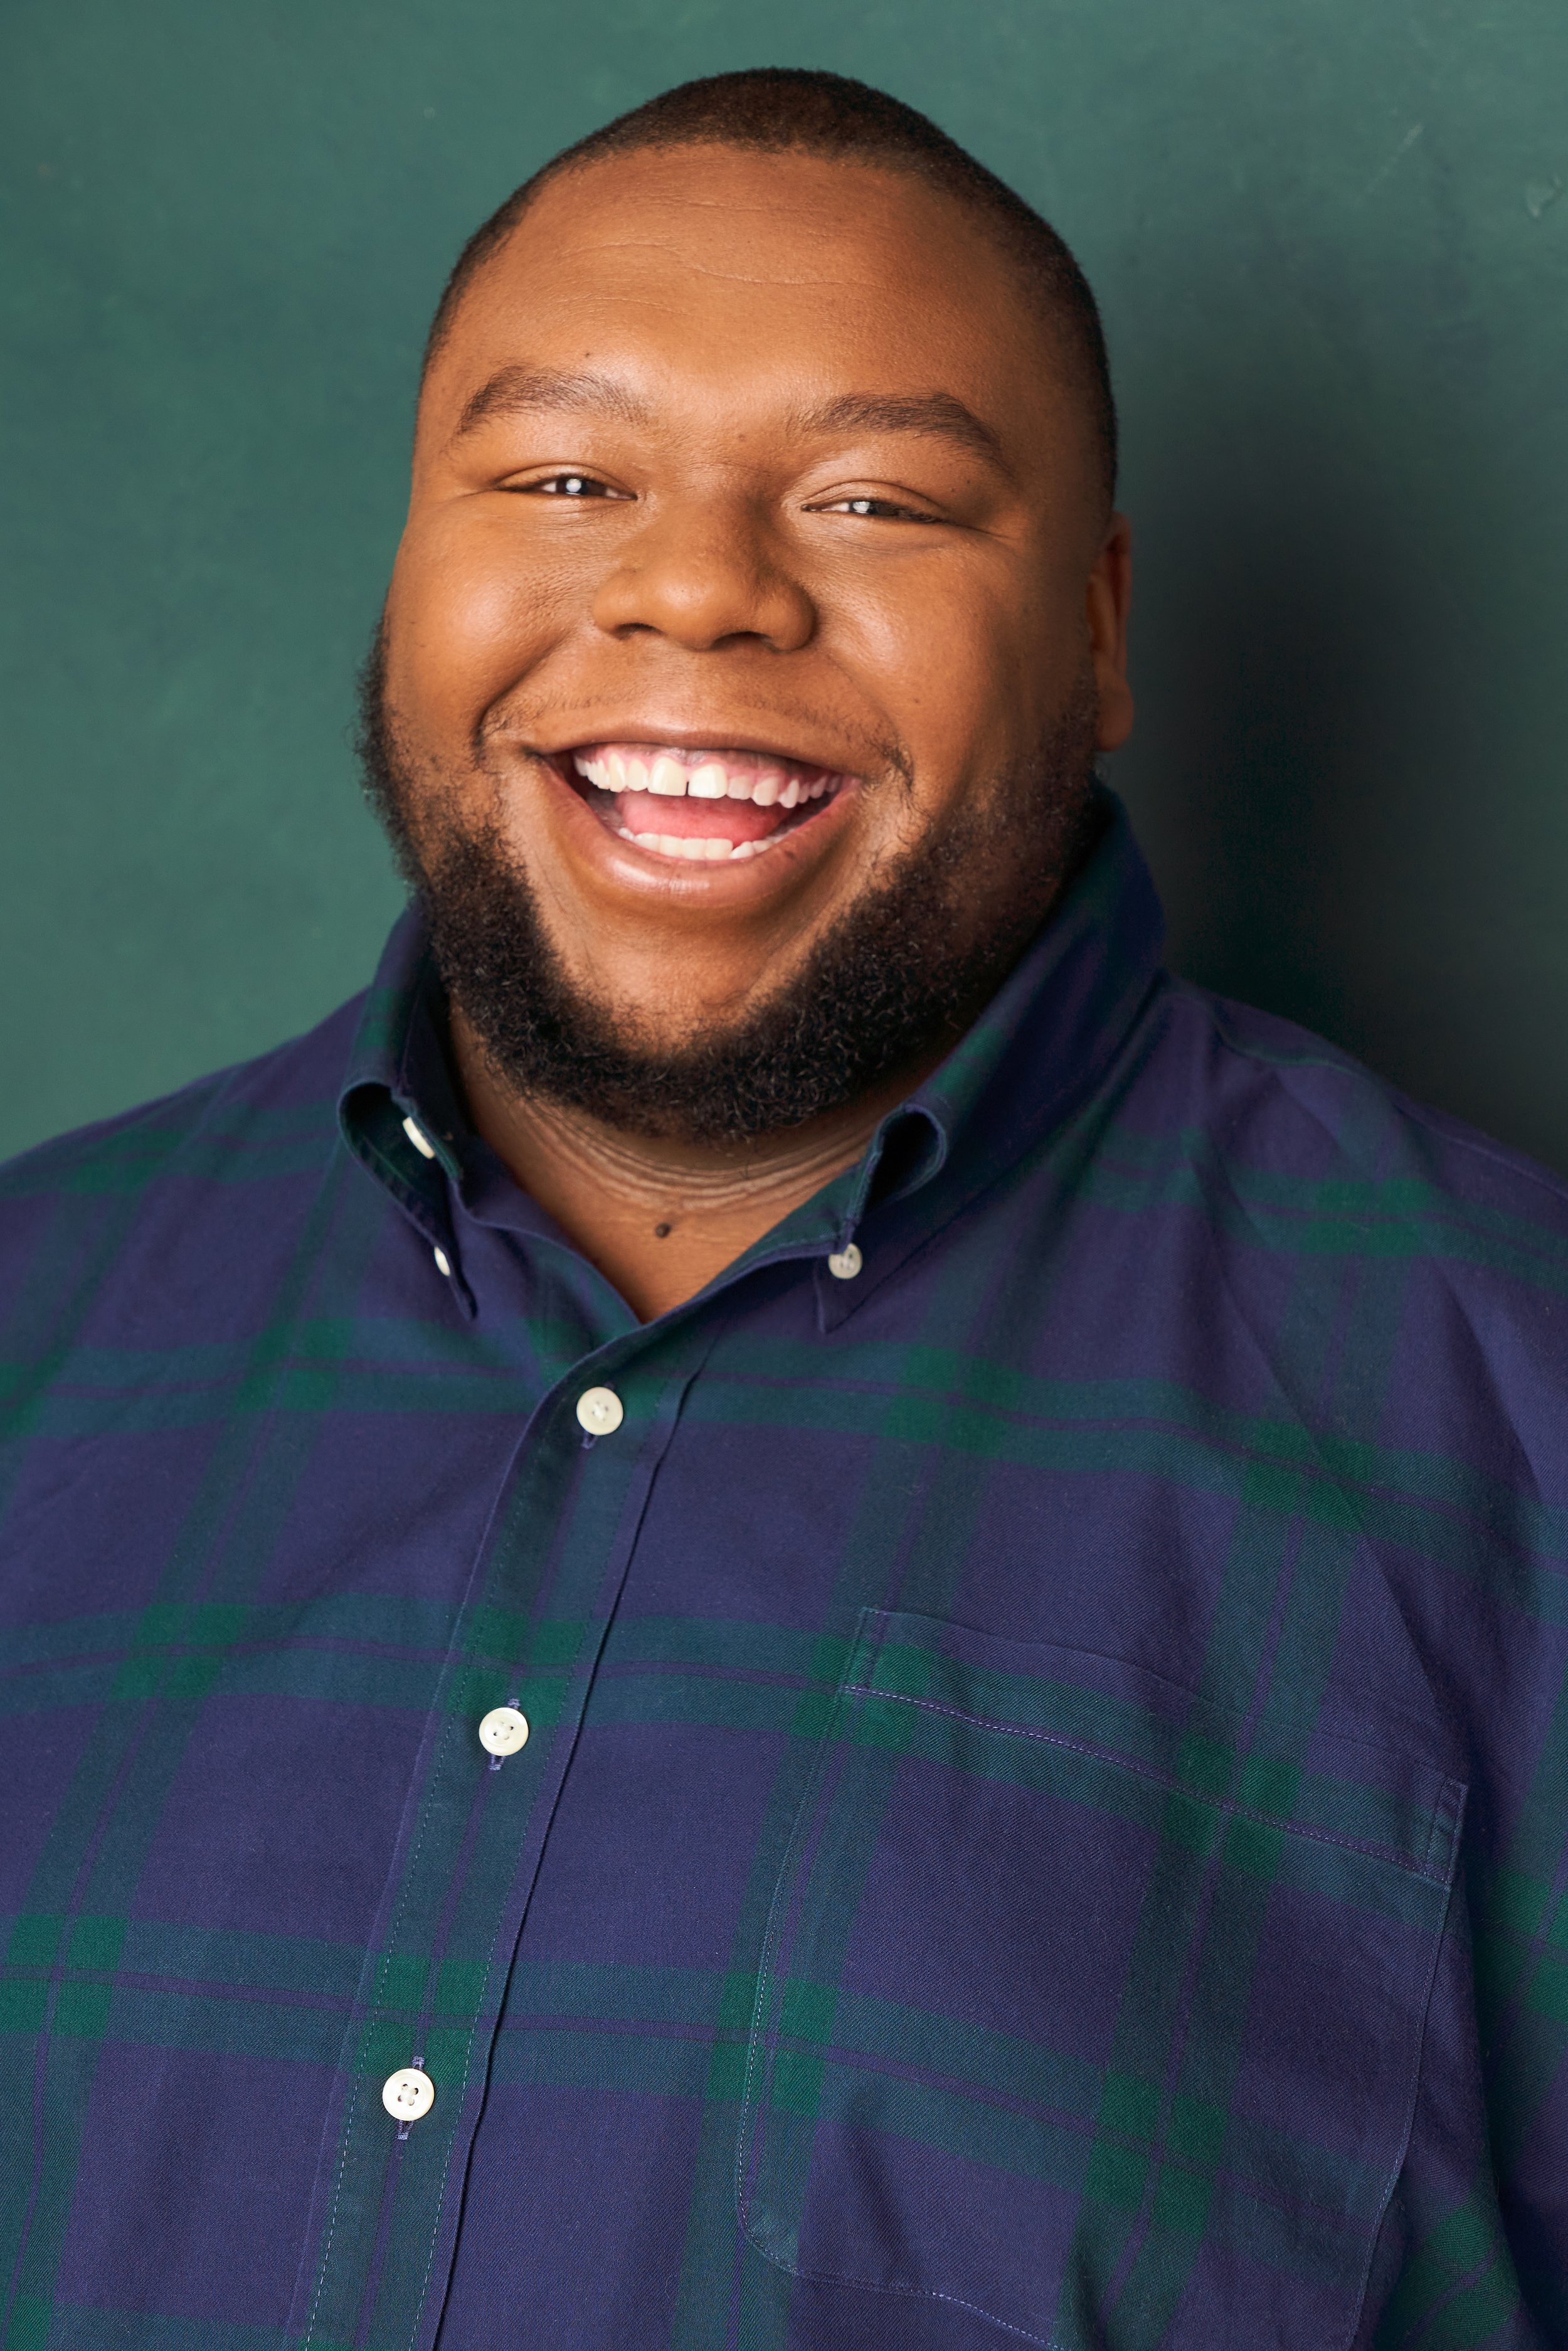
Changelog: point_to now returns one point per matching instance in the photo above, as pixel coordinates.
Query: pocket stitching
(750, 2105)
(1161, 1780)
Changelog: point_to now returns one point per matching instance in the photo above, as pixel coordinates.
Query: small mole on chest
(663, 1232)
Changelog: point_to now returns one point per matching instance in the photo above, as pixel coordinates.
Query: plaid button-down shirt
(1045, 1813)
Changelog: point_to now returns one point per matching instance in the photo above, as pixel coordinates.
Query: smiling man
(780, 1610)
(760, 614)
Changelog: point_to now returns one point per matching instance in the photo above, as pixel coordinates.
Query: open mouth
(707, 807)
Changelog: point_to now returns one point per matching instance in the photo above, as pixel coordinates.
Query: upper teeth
(703, 776)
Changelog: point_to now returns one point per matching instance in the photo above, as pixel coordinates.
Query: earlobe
(1108, 601)
(1116, 713)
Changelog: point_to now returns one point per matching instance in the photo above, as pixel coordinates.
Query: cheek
(961, 661)
(469, 615)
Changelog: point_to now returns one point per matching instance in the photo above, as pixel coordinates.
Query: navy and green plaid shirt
(1046, 1814)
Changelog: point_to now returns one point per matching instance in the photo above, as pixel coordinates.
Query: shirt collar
(1047, 1035)
(1040, 1047)
(398, 1108)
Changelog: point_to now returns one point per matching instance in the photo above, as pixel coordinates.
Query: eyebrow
(928, 413)
(517, 391)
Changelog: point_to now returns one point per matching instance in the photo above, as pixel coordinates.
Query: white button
(845, 1263)
(443, 1262)
(599, 1411)
(408, 2095)
(503, 1730)
(415, 1135)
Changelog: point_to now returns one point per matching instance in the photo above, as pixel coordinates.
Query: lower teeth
(700, 852)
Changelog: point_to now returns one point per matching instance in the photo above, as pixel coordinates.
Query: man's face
(755, 561)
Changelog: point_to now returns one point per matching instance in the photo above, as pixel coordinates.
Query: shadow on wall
(1343, 770)
(1273, 701)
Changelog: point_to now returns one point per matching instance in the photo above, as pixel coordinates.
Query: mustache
(778, 730)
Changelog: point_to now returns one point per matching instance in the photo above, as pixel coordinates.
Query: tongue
(688, 820)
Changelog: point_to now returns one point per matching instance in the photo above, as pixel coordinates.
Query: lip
(618, 863)
(643, 729)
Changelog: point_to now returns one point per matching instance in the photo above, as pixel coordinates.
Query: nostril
(707, 599)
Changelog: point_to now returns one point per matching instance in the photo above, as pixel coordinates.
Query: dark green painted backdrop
(1332, 241)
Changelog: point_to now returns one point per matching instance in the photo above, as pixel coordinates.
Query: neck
(660, 1217)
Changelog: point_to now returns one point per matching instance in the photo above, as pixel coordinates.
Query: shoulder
(1403, 1278)
(1336, 1138)
(233, 1122)
(188, 1189)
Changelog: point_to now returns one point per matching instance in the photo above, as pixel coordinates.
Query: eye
(568, 485)
(875, 510)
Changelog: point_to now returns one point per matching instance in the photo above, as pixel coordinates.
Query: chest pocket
(1074, 2019)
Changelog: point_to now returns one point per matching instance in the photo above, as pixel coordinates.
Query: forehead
(757, 272)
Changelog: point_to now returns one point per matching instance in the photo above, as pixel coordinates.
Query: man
(782, 1607)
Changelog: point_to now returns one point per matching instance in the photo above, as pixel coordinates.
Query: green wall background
(1331, 243)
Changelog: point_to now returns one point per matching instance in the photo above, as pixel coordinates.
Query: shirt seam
(1225, 1804)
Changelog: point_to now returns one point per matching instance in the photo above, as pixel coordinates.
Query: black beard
(891, 986)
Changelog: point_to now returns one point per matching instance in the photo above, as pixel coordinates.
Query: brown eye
(572, 486)
(876, 510)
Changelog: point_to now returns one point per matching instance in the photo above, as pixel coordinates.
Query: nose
(706, 575)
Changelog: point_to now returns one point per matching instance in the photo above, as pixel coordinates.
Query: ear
(1108, 596)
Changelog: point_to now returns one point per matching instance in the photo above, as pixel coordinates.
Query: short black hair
(779, 109)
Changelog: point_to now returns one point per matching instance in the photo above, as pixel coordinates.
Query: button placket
(547, 1477)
